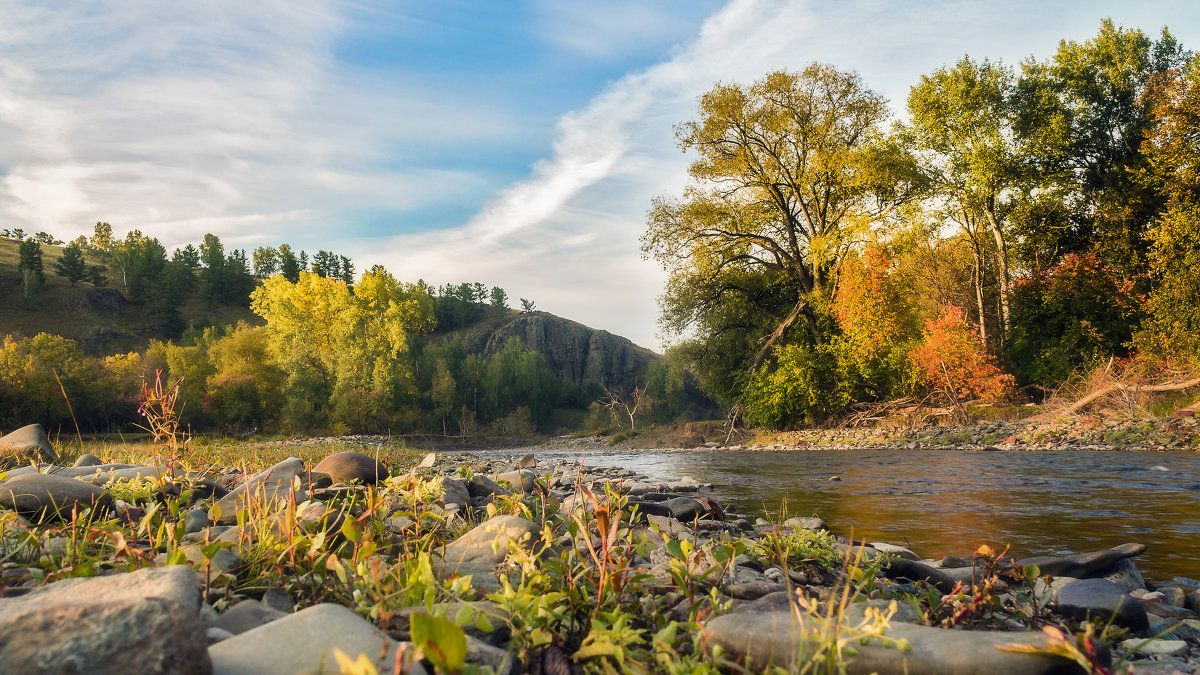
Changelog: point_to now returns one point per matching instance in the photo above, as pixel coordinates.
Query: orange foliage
(868, 306)
(951, 355)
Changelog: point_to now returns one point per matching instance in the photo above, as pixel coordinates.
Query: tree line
(334, 353)
(1015, 227)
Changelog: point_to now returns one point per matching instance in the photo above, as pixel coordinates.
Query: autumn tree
(791, 170)
(962, 122)
(266, 261)
(1085, 118)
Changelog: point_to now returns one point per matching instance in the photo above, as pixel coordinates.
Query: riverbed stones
(246, 616)
(88, 459)
(454, 491)
(25, 445)
(303, 644)
(44, 496)
(483, 486)
(776, 639)
(1155, 647)
(684, 509)
(1083, 564)
(521, 480)
(918, 571)
(487, 543)
(1102, 600)
(265, 489)
(351, 466)
(138, 622)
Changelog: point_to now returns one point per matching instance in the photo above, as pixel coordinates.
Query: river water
(948, 502)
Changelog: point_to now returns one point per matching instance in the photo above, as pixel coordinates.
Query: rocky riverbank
(522, 564)
(1179, 432)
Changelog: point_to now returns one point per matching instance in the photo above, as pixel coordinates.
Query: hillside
(101, 320)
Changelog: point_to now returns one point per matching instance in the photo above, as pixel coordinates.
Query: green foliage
(1074, 315)
(1172, 329)
(806, 384)
(31, 270)
(72, 266)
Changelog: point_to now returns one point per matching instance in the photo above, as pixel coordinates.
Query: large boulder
(351, 466)
(25, 445)
(1101, 600)
(1084, 564)
(140, 622)
(777, 639)
(265, 490)
(303, 644)
(46, 496)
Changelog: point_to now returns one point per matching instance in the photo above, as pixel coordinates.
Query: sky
(514, 143)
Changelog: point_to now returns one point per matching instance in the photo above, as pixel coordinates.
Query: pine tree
(72, 265)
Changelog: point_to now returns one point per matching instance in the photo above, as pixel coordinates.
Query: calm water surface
(948, 502)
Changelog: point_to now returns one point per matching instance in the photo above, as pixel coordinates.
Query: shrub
(951, 358)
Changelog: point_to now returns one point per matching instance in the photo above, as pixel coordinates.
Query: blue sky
(513, 143)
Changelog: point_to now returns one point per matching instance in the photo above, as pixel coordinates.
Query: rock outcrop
(572, 351)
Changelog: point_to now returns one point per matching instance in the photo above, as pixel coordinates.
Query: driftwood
(1128, 389)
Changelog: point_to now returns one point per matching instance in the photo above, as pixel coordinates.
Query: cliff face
(572, 351)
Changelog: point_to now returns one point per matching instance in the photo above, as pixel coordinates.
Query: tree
(140, 260)
(346, 268)
(1087, 115)
(102, 239)
(212, 275)
(528, 305)
(47, 239)
(289, 265)
(962, 120)
(188, 255)
(266, 261)
(30, 268)
(72, 265)
(499, 301)
(791, 170)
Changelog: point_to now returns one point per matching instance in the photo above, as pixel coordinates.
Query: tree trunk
(780, 332)
(977, 280)
(1002, 267)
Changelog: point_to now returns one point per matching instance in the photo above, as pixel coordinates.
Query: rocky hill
(572, 351)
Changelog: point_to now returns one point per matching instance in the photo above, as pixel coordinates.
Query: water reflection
(948, 502)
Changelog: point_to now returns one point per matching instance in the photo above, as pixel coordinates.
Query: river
(947, 502)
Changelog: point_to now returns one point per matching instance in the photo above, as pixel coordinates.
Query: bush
(807, 383)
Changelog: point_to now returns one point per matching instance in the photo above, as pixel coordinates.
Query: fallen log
(1129, 388)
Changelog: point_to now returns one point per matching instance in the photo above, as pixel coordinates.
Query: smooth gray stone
(753, 590)
(351, 466)
(483, 486)
(88, 459)
(90, 470)
(898, 551)
(246, 616)
(776, 639)
(303, 644)
(1126, 575)
(454, 491)
(684, 509)
(25, 445)
(669, 526)
(1083, 564)
(487, 543)
(856, 612)
(195, 520)
(145, 621)
(264, 490)
(810, 523)
(1102, 600)
(43, 496)
(521, 479)
(916, 571)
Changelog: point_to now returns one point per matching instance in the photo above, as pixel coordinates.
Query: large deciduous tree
(962, 122)
(790, 170)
